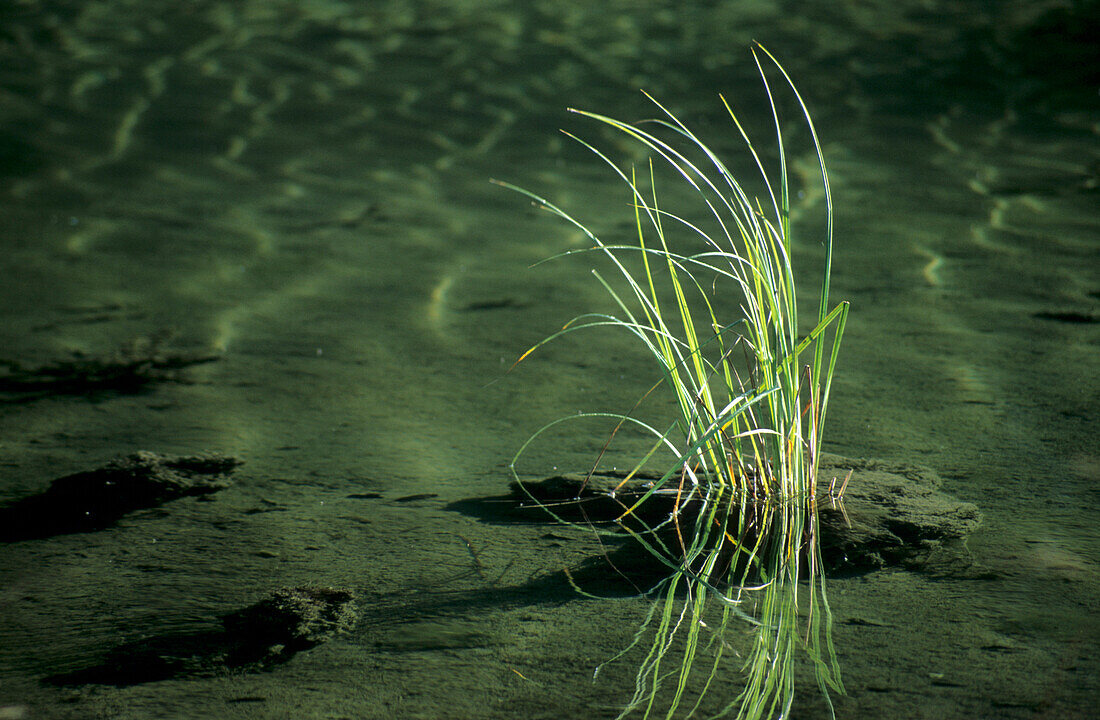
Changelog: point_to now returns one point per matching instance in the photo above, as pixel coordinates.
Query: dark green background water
(303, 187)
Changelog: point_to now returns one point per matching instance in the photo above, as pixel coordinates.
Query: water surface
(303, 188)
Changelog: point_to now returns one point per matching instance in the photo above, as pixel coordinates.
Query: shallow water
(303, 188)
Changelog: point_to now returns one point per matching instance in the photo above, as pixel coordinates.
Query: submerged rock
(96, 499)
(891, 515)
(253, 639)
(294, 618)
(139, 363)
(897, 515)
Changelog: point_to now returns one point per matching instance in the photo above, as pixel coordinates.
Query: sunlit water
(304, 188)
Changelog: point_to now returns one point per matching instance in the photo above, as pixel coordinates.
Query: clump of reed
(740, 545)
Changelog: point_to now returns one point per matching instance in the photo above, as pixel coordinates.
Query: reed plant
(739, 545)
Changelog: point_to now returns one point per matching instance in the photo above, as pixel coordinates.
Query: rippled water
(303, 188)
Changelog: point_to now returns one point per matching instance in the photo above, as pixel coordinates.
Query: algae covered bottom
(301, 191)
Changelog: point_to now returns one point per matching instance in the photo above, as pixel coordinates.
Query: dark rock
(891, 515)
(897, 515)
(96, 499)
(415, 498)
(297, 618)
(253, 639)
(131, 368)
